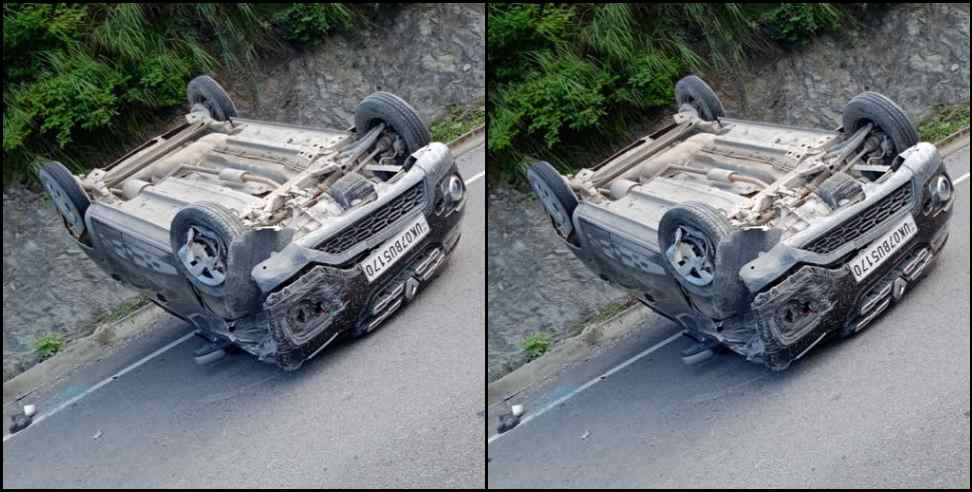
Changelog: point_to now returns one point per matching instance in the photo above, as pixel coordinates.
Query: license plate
(395, 248)
(883, 248)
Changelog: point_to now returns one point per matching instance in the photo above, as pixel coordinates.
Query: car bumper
(322, 302)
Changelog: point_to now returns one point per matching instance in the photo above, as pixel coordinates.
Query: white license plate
(395, 248)
(883, 248)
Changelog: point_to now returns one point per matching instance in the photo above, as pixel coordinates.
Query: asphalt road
(400, 408)
(886, 408)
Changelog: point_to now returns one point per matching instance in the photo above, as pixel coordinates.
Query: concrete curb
(467, 141)
(568, 351)
(81, 352)
(952, 142)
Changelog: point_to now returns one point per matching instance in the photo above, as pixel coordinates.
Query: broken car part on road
(760, 238)
(273, 238)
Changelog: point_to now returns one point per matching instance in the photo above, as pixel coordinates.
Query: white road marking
(480, 176)
(962, 178)
(102, 384)
(587, 385)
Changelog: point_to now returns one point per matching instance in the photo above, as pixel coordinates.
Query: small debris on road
(510, 420)
(21, 420)
(97, 434)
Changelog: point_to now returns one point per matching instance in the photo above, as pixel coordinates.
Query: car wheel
(201, 236)
(385, 107)
(71, 201)
(556, 197)
(871, 107)
(693, 92)
(694, 240)
(205, 93)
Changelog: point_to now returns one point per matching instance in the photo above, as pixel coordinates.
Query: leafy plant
(944, 121)
(307, 23)
(795, 23)
(457, 122)
(48, 345)
(536, 344)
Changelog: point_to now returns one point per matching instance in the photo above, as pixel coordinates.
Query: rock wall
(433, 55)
(535, 283)
(916, 54)
(49, 284)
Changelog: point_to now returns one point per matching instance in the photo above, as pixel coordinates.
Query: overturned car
(268, 237)
(759, 238)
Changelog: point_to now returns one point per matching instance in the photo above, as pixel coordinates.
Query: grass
(536, 344)
(611, 310)
(122, 310)
(457, 122)
(945, 120)
(48, 345)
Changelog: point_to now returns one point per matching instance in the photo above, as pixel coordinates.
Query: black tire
(723, 290)
(207, 92)
(871, 107)
(394, 112)
(694, 92)
(557, 198)
(225, 226)
(71, 201)
(838, 188)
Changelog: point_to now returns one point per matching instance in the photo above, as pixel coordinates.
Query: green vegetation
(79, 79)
(307, 23)
(944, 121)
(565, 81)
(122, 310)
(611, 310)
(536, 344)
(457, 122)
(48, 345)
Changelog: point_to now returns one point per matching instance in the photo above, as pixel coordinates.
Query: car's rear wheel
(71, 201)
(394, 112)
(692, 92)
(557, 198)
(694, 240)
(871, 107)
(201, 236)
(204, 93)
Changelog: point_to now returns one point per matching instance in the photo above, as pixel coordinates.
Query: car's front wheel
(695, 243)
(201, 237)
(396, 114)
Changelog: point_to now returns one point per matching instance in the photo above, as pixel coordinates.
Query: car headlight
(938, 193)
(941, 187)
(455, 188)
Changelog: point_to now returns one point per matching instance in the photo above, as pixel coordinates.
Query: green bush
(307, 23)
(536, 344)
(48, 345)
(80, 80)
(796, 23)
